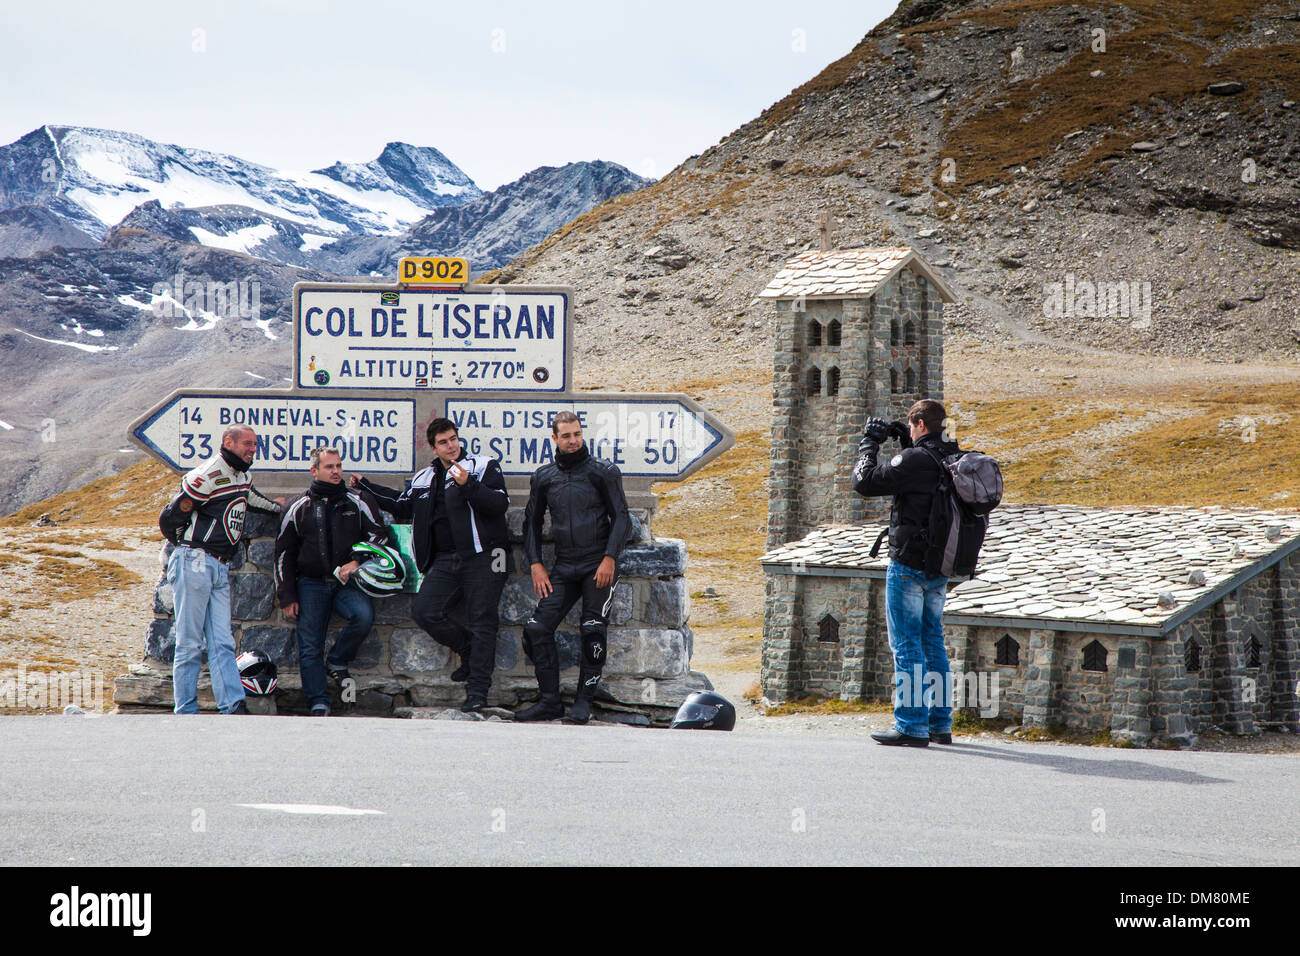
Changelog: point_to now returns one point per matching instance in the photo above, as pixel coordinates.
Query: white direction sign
(661, 436)
(372, 337)
(372, 435)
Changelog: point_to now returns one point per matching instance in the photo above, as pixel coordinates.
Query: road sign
(433, 270)
(371, 435)
(663, 437)
(390, 337)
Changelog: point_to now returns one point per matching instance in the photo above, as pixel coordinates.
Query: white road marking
(316, 808)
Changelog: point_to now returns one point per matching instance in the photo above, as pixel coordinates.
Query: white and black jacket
(476, 511)
(220, 493)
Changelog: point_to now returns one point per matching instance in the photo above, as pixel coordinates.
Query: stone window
(909, 380)
(828, 630)
(909, 333)
(834, 333)
(1008, 652)
(814, 333)
(814, 381)
(833, 380)
(1192, 657)
(894, 337)
(1094, 657)
(1253, 648)
(893, 381)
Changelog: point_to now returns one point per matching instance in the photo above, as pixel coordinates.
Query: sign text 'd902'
(374, 338)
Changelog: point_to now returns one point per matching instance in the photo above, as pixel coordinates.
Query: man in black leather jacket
(913, 599)
(457, 509)
(316, 537)
(590, 524)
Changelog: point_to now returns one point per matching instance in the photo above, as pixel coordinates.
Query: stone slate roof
(1121, 570)
(856, 273)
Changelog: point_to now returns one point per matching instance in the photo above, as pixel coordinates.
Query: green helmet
(382, 572)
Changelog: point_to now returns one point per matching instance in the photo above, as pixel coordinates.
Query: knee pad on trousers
(594, 646)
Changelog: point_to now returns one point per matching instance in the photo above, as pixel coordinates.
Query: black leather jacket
(912, 477)
(316, 536)
(476, 511)
(589, 517)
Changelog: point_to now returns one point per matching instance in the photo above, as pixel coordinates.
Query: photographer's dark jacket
(317, 534)
(589, 517)
(476, 512)
(220, 491)
(912, 477)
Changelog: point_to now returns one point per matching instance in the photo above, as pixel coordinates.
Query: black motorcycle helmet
(705, 710)
(257, 672)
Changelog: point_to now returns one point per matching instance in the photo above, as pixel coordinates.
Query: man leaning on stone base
(313, 572)
(913, 599)
(590, 523)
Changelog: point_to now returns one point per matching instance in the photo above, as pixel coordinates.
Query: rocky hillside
(1029, 149)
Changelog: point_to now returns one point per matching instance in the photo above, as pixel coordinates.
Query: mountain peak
(421, 174)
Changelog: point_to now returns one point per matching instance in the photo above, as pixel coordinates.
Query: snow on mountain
(418, 173)
(93, 178)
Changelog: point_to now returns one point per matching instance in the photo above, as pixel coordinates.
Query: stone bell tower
(859, 332)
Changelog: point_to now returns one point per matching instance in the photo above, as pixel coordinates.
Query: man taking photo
(317, 535)
(590, 523)
(913, 599)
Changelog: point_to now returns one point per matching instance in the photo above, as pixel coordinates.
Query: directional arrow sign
(663, 437)
(372, 435)
(391, 337)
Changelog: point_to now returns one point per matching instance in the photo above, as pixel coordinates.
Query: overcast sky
(499, 87)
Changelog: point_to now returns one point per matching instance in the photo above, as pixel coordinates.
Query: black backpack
(970, 486)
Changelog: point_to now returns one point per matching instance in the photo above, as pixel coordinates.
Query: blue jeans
(201, 592)
(316, 601)
(914, 614)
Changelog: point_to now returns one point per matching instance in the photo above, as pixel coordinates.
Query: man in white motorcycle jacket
(206, 522)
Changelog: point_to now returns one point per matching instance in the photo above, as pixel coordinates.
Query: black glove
(902, 433)
(877, 430)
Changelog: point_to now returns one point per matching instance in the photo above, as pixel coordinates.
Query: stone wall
(1147, 694)
(399, 666)
(1230, 690)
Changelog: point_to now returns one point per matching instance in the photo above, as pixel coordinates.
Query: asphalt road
(149, 790)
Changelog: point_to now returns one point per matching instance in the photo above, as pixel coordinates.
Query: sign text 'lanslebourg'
(370, 434)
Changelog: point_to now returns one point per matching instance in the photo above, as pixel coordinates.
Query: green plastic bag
(401, 535)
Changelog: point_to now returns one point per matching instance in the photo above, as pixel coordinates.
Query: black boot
(546, 661)
(580, 712)
(461, 674)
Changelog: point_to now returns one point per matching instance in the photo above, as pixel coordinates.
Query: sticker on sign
(660, 437)
(373, 337)
(370, 435)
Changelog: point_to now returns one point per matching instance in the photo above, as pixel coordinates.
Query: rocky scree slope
(996, 140)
